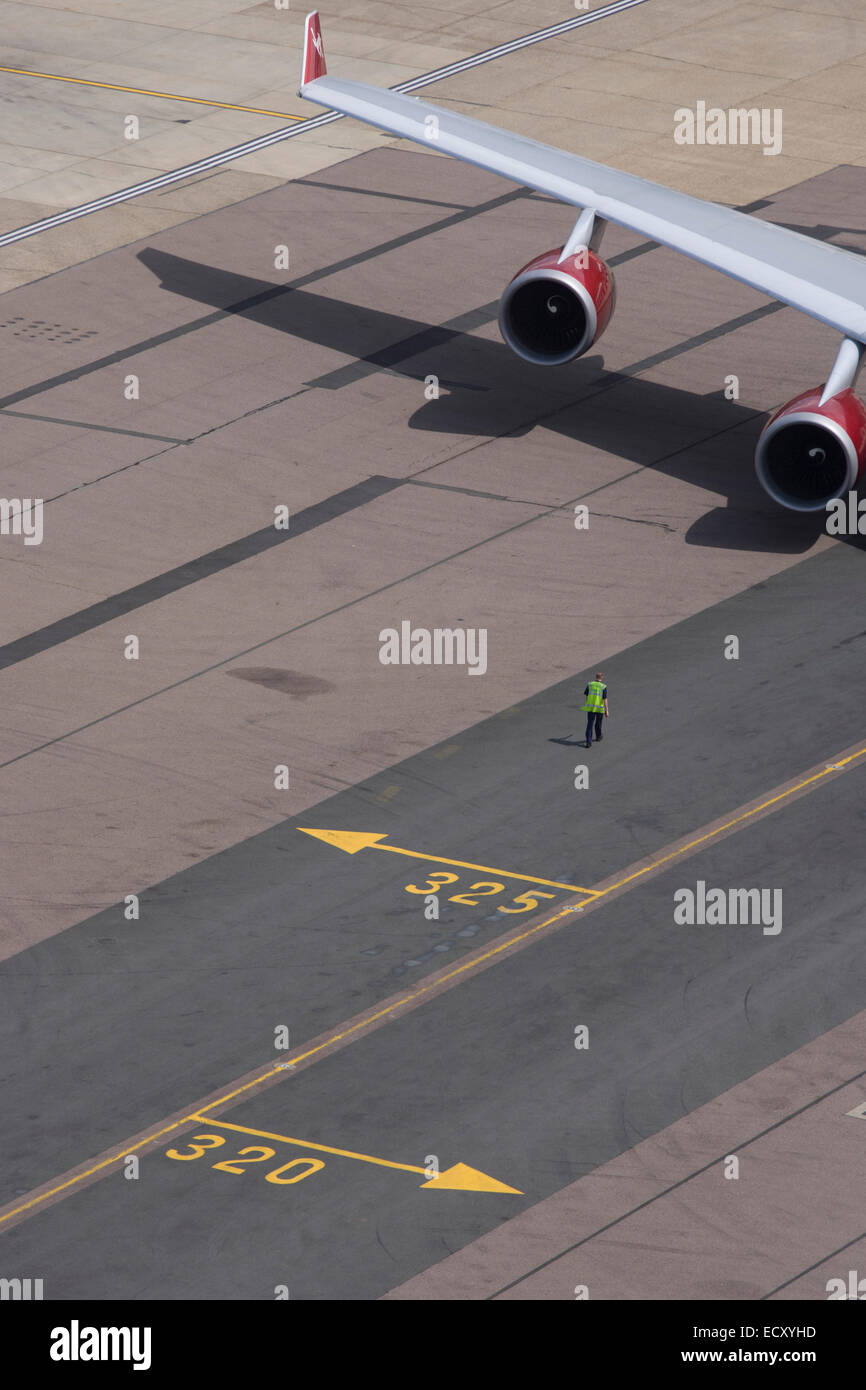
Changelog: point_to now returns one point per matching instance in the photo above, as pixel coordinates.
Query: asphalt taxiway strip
(649, 1221)
(105, 1020)
(488, 1075)
(398, 1005)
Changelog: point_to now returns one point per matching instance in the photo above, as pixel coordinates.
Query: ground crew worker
(596, 708)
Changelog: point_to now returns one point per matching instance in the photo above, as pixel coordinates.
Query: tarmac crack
(638, 520)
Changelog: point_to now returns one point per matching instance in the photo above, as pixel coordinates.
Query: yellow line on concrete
(97, 1167)
(143, 92)
(305, 1144)
(737, 820)
(484, 869)
(352, 841)
(398, 1005)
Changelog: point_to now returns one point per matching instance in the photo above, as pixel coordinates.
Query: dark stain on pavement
(293, 683)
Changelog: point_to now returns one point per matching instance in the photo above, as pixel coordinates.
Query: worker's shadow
(486, 391)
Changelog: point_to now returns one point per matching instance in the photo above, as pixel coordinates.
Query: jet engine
(554, 310)
(809, 453)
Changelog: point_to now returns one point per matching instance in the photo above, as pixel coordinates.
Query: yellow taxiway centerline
(396, 1007)
(738, 820)
(143, 92)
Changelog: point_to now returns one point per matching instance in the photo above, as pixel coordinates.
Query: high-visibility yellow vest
(595, 698)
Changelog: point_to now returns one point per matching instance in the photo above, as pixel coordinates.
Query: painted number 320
(477, 891)
(256, 1153)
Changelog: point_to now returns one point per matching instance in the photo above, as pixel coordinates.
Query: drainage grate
(42, 328)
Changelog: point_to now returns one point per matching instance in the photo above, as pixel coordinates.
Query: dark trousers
(589, 718)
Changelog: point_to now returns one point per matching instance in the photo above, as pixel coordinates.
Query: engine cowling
(552, 313)
(810, 453)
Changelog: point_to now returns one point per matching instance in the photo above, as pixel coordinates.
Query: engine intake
(552, 313)
(810, 453)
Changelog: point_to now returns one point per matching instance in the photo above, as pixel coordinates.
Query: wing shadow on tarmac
(705, 440)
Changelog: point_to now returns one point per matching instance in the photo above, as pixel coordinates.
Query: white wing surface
(823, 281)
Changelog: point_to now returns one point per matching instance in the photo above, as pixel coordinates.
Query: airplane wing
(823, 281)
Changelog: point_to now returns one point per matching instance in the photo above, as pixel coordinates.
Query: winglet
(314, 52)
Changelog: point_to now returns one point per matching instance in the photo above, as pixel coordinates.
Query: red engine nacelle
(810, 453)
(552, 313)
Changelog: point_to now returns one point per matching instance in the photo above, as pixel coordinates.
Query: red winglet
(314, 52)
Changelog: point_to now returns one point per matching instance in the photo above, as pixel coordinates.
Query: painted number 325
(477, 891)
(256, 1153)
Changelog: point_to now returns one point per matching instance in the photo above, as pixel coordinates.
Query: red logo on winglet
(314, 52)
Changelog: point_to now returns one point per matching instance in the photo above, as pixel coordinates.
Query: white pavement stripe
(261, 142)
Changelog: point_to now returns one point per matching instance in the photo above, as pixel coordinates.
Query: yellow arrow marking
(349, 840)
(459, 1177)
(463, 1179)
(396, 1008)
(143, 92)
(353, 840)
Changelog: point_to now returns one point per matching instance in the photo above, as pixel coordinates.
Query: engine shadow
(489, 392)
